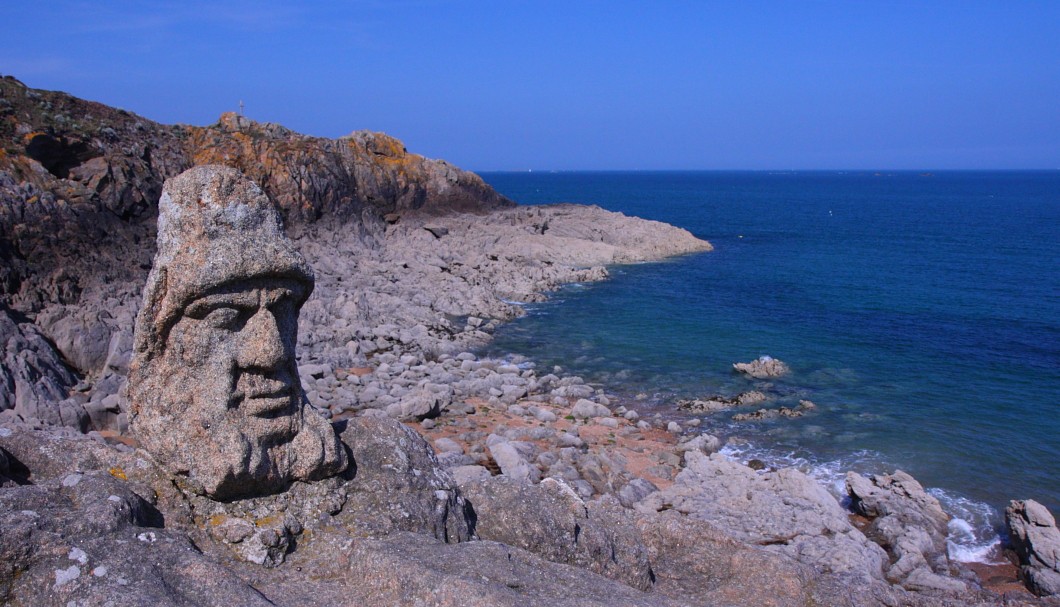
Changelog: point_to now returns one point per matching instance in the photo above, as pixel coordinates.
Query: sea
(919, 311)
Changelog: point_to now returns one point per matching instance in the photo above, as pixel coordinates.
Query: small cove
(921, 313)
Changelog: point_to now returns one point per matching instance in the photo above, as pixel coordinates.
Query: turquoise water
(921, 313)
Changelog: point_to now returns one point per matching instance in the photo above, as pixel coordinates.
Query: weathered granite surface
(214, 388)
(910, 523)
(89, 522)
(785, 511)
(552, 521)
(1036, 540)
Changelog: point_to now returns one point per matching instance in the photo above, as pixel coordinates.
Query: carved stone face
(214, 383)
(237, 344)
(232, 370)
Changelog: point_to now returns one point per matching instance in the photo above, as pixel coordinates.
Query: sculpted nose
(262, 344)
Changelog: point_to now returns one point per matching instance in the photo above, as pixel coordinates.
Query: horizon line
(875, 171)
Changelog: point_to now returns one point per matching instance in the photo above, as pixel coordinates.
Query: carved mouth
(269, 407)
(264, 397)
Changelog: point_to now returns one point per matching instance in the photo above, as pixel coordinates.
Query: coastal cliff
(79, 189)
(78, 173)
(473, 481)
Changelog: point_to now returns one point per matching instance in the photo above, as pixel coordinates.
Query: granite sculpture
(214, 387)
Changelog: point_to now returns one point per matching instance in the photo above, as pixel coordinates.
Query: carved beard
(191, 414)
(212, 440)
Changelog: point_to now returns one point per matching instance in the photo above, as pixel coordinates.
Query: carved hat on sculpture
(214, 386)
(214, 227)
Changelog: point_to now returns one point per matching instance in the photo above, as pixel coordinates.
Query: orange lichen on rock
(267, 521)
(28, 137)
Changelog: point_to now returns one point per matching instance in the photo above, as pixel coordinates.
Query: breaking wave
(972, 537)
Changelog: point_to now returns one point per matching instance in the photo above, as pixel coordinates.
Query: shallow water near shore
(920, 312)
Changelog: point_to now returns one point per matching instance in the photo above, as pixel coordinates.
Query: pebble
(545, 415)
(565, 439)
(585, 409)
(447, 445)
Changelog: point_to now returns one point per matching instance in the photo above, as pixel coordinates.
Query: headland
(466, 481)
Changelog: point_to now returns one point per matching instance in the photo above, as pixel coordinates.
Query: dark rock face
(1036, 540)
(77, 218)
(33, 378)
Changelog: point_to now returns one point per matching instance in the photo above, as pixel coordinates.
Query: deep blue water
(920, 312)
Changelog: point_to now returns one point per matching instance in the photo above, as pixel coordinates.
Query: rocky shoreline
(473, 481)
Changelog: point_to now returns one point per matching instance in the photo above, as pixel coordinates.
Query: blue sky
(507, 85)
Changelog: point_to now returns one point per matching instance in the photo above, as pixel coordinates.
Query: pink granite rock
(214, 385)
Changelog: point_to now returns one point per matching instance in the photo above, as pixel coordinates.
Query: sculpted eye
(223, 317)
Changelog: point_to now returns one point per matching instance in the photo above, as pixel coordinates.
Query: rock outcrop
(34, 380)
(1035, 538)
(79, 189)
(799, 410)
(911, 524)
(88, 538)
(713, 404)
(551, 521)
(785, 511)
(88, 522)
(79, 186)
(397, 483)
(763, 367)
(116, 531)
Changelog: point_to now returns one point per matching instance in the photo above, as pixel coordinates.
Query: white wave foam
(830, 474)
(972, 536)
